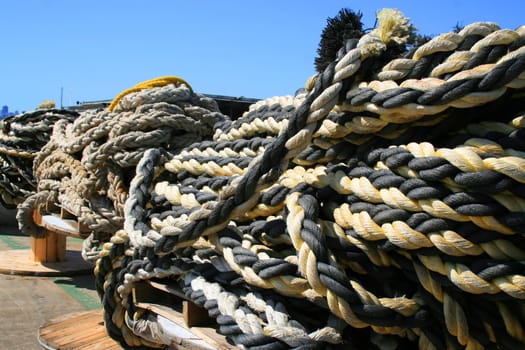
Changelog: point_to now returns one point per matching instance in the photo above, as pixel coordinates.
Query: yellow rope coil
(148, 84)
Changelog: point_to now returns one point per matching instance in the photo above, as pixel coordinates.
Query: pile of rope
(384, 207)
(21, 138)
(88, 163)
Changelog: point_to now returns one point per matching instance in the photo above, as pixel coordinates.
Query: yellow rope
(148, 84)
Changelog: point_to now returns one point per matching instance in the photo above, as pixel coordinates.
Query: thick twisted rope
(392, 206)
(157, 82)
(92, 159)
(21, 138)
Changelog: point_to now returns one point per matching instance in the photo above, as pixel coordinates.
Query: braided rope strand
(387, 199)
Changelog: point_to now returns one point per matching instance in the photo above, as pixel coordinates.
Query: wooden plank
(77, 338)
(167, 288)
(61, 247)
(195, 315)
(20, 262)
(60, 220)
(99, 345)
(159, 298)
(51, 247)
(85, 331)
(51, 207)
(68, 227)
(143, 292)
(59, 322)
(48, 249)
(38, 249)
(170, 314)
(80, 330)
(65, 325)
(211, 336)
(208, 334)
(65, 214)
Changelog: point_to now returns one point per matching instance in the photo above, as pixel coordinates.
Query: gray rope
(393, 207)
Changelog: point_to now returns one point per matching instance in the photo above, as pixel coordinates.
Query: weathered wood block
(49, 249)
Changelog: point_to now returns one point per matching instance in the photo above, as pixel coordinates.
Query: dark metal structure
(231, 106)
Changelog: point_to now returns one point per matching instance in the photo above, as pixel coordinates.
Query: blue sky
(94, 49)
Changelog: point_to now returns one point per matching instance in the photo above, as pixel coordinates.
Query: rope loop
(148, 84)
(383, 204)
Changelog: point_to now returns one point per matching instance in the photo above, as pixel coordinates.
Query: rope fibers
(382, 207)
(87, 165)
(21, 138)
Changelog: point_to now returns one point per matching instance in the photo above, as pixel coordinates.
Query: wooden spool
(79, 330)
(49, 249)
(48, 256)
(188, 325)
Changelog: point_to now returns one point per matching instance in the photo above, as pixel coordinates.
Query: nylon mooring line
(383, 203)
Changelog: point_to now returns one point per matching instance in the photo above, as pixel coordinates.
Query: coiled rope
(21, 138)
(148, 84)
(386, 204)
(87, 165)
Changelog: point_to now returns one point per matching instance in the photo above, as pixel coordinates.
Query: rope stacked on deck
(384, 208)
(21, 137)
(87, 165)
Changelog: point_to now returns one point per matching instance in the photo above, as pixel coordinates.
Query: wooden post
(47, 256)
(49, 249)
